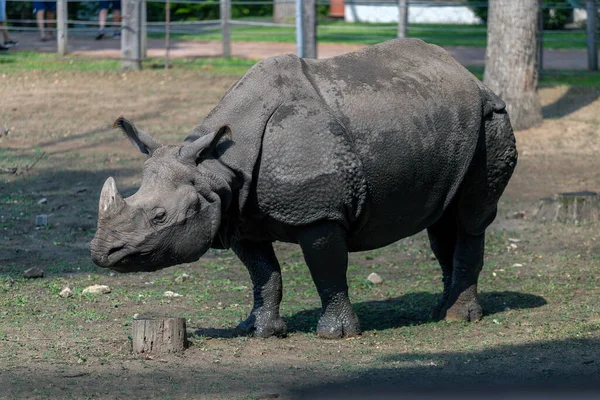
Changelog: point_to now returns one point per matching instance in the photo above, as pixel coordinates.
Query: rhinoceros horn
(110, 199)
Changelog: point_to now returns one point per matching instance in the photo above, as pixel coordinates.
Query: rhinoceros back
(378, 140)
(414, 117)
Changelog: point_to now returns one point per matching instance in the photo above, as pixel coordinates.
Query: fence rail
(301, 26)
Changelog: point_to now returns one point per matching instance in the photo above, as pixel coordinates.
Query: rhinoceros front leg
(326, 253)
(265, 273)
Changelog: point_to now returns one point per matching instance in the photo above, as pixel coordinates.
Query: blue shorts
(44, 6)
(115, 5)
(2, 10)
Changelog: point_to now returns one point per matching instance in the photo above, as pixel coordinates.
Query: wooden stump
(570, 207)
(154, 336)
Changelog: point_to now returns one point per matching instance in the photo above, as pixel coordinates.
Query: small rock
(169, 293)
(42, 201)
(41, 220)
(516, 215)
(182, 278)
(374, 278)
(96, 289)
(513, 240)
(66, 292)
(517, 265)
(34, 272)
(136, 316)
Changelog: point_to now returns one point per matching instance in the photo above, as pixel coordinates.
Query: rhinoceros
(339, 155)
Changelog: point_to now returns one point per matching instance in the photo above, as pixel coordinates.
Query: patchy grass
(539, 286)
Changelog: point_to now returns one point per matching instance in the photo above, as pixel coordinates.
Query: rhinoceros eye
(159, 216)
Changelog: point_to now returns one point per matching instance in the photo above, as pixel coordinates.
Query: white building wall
(416, 14)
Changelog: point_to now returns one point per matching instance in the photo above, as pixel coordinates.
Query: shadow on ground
(541, 370)
(69, 199)
(545, 370)
(575, 98)
(407, 310)
(413, 309)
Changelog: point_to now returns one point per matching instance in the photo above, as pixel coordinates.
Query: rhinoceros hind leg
(442, 237)
(462, 303)
(326, 253)
(265, 273)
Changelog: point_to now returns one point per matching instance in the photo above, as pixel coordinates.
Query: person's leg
(39, 16)
(3, 27)
(51, 15)
(102, 19)
(4, 31)
(101, 22)
(117, 18)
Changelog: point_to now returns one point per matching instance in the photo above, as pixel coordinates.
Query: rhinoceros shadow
(407, 310)
(413, 309)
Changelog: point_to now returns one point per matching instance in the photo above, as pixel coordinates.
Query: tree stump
(154, 336)
(570, 207)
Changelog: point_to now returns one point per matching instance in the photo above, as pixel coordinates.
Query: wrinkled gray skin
(345, 154)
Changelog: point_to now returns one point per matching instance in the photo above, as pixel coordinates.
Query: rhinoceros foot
(335, 326)
(262, 325)
(469, 312)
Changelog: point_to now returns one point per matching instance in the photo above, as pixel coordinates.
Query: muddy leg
(326, 253)
(442, 237)
(265, 273)
(462, 303)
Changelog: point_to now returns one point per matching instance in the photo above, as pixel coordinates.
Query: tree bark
(155, 336)
(511, 65)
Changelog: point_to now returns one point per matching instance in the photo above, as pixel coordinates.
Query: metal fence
(297, 21)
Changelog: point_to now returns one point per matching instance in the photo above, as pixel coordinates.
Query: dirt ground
(540, 286)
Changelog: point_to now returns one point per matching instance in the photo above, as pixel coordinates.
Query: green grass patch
(371, 33)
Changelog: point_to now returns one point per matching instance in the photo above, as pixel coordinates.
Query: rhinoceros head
(174, 216)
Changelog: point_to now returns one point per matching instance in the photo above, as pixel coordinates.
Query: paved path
(109, 48)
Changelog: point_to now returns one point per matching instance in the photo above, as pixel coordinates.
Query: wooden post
(144, 29)
(592, 35)
(226, 27)
(130, 35)
(569, 207)
(306, 28)
(167, 32)
(155, 336)
(403, 19)
(540, 49)
(61, 27)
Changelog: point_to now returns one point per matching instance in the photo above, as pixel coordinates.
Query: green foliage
(557, 13)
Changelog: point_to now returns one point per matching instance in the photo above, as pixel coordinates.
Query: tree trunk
(155, 336)
(511, 65)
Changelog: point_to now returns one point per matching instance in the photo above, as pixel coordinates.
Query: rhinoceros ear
(142, 140)
(202, 147)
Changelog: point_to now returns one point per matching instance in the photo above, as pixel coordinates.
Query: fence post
(226, 27)
(592, 35)
(61, 27)
(306, 28)
(144, 29)
(540, 49)
(403, 19)
(130, 35)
